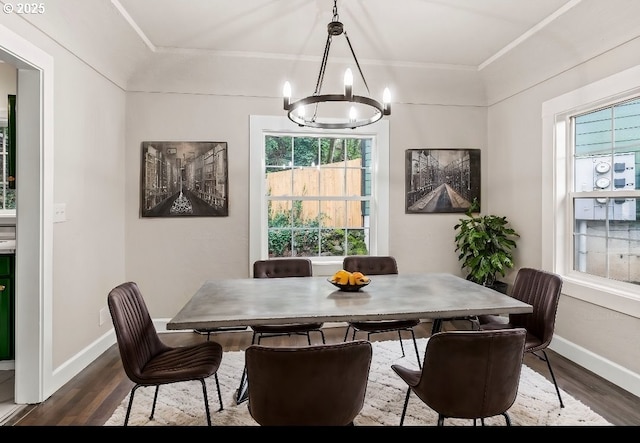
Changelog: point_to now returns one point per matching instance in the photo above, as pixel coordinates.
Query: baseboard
(613, 372)
(6, 365)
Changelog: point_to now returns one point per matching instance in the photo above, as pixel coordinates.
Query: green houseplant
(485, 244)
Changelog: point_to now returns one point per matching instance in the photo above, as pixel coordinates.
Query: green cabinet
(7, 307)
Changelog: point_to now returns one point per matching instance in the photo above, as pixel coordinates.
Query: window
(606, 160)
(318, 194)
(591, 191)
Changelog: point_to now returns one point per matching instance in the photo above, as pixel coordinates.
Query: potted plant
(485, 244)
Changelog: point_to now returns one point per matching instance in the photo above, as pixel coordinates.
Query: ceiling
(465, 34)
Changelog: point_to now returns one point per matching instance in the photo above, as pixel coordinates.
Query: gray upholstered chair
(147, 361)
(540, 289)
(281, 268)
(379, 265)
(317, 385)
(468, 374)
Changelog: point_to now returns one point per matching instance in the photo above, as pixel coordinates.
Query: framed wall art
(441, 180)
(184, 179)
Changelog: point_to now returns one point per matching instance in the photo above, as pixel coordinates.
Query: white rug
(181, 404)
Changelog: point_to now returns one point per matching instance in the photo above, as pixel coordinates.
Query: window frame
(258, 225)
(557, 199)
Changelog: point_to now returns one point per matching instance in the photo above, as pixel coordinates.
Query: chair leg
(415, 345)
(507, 419)
(553, 377)
(440, 420)
(253, 338)
(219, 393)
(155, 397)
(346, 333)
(401, 345)
(308, 338)
(322, 334)
(206, 401)
(133, 391)
(404, 409)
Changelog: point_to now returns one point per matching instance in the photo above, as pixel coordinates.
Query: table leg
(242, 393)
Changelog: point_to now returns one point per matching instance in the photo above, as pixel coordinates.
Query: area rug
(181, 404)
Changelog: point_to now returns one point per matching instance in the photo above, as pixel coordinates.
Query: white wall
(600, 339)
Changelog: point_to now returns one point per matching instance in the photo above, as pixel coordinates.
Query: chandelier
(297, 111)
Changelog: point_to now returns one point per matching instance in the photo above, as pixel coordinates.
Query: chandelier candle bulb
(286, 92)
(348, 84)
(386, 100)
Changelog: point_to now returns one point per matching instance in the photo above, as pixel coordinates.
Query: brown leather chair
(281, 268)
(541, 289)
(318, 385)
(147, 361)
(378, 265)
(468, 374)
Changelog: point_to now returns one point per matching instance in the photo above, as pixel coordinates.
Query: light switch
(59, 212)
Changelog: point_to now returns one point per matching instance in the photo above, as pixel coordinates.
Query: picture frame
(184, 179)
(441, 180)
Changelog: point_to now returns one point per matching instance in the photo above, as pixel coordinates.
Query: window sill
(617, 297)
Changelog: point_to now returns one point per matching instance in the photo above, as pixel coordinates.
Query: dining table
(262, 301)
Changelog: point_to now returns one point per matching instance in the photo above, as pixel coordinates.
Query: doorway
(34, 216)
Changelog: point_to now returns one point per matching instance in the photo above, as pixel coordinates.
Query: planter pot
(499, 286)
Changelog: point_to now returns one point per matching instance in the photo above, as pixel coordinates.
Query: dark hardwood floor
(90, 398)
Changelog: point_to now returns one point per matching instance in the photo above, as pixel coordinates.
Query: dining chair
(468, 374)
(148, 361)
(541, 289)
(317, 385)
(378, 265)
(282, 268)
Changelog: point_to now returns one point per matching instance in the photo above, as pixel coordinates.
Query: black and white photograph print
(184, 179)
(441, 180)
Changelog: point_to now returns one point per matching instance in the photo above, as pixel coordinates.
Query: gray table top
(253, 301)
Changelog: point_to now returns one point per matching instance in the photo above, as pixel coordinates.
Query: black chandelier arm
(323, 65)
(356, 60)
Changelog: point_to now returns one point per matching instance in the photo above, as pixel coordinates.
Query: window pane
(305, 151)
(334, 213)
(306, 242)
(279, 228)
(333, 242)
(332, 180)
(357, 242)
(279, 181)
(280, 243)
(607, 238)
(331, 150)
(593, 133)
(627, 125)
(278, 151)
(306, 181)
